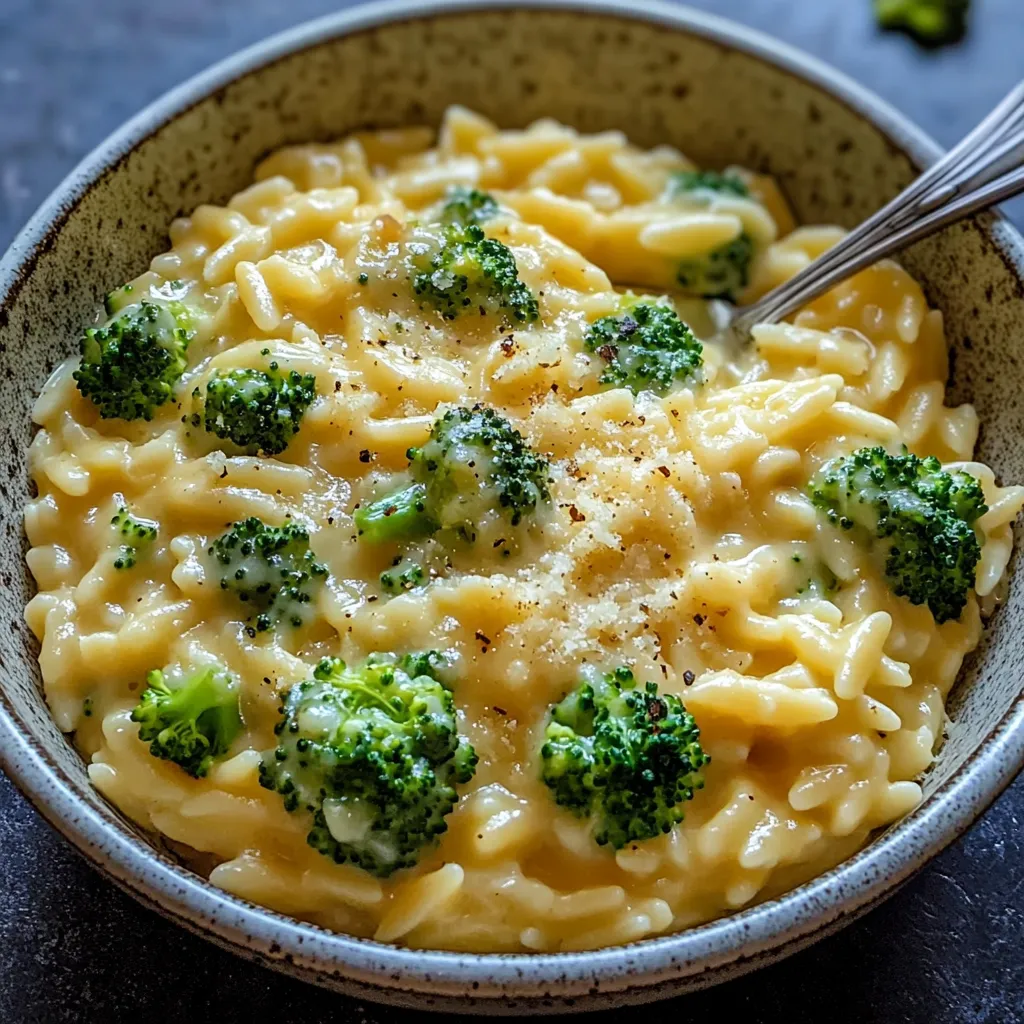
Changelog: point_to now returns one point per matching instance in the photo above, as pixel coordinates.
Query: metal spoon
(984, 169)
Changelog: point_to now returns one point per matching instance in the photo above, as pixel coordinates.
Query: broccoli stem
(398, 516)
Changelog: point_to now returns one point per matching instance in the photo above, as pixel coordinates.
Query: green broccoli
(819, 582)
(720, 274)
(724, 272)
(474, 463)
(918, 519)
(373, 754)
(468, 206)
(698, 183)
(258, 410)
(270, 569)
(647, 348)
(192, 723)
(116, 300)
(131, 364)
(397, 579)
(468, 270)
(624, 757)
(930, 22)
(139, 532)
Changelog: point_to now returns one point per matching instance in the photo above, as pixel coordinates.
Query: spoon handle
(983, 169)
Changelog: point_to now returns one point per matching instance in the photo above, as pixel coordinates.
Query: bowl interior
(595, 71)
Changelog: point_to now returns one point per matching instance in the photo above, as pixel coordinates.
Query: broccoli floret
(474, 463)
(130, 365)
(918, 518)
(647, 348)
(720, 274)
(137, 533)
(696, 182)
(468, 206)
(930, 22)
(374, 755)
(192, 723)
(724, 272)
(259, 410)
(403, 575)
(626, 758)
(270, 569)
(470, 271)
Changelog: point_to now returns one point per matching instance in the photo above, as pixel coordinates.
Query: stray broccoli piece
(397, 579)
(115, 301)
(930, 22)
(474, 463)
(720, 274)
(696, 182)
(468, 206)
(918, 518)
(471, 271)
(374, 754)
(822, 583)
(647, 348)
(192, 723)
(624, 757)
(130, 365)
(258, 410)
(137, 532)
(724, 272)
(269, 568)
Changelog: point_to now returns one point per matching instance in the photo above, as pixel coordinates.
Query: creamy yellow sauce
(669, 543)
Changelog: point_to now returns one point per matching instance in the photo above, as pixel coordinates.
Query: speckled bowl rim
(638, 972)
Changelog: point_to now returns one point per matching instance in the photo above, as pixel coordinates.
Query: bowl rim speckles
(501, 982)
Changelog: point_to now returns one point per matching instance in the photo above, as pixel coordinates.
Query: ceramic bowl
(722, 94)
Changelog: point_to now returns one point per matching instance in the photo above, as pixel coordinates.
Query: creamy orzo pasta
(658, 516)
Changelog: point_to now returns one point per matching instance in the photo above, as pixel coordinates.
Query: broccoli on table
(137, 533)
(475, 463)
(193, 722)
(625, 757)
(259, 410)
(647, 348)
(918, 519)
(467, 271)
(131, 364)
(468, 206)
(270, 569)
(930, 22)
(373, 755)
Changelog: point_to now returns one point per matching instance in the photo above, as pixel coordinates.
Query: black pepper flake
(664, 471)
(500, 711)
(482, 638)
(366, 455)
(576, 515)
(688, 677)
(699, 619)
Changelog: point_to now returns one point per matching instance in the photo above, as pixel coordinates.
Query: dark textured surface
(946, 948)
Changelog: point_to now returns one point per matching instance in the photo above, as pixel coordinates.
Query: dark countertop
(946, 948)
